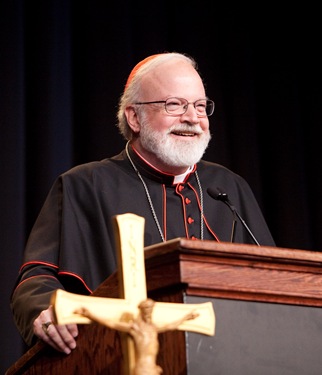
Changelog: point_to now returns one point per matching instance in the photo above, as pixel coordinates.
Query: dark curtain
(63, 67)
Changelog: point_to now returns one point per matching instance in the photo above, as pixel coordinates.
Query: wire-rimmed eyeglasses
(179, 106)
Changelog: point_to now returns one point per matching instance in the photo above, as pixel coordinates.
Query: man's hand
(60, 337)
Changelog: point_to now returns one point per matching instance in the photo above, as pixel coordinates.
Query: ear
(132, 119)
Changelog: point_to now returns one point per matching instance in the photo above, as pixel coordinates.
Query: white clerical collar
(181, 177)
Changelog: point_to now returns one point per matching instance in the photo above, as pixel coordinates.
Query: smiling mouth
(184, 134)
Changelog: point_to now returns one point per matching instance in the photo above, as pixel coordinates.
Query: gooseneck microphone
(217, 194)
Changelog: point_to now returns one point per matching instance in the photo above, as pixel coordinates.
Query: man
(163, 114)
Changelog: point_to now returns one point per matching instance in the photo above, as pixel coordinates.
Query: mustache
(185, 128)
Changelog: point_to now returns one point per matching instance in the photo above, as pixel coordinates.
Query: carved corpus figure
(144, 334)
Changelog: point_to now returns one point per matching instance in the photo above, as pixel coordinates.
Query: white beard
(175, 152)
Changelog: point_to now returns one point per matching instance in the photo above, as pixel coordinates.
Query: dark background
(64, 64)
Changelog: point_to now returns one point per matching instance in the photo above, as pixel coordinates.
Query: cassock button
(190, 220)
(187, 200)
(193, 238)
(180, 187)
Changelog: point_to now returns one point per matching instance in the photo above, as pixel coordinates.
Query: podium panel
(258, 338)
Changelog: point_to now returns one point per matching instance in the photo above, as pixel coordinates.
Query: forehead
(174, 78)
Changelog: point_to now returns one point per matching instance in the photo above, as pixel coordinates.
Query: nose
(191, 114)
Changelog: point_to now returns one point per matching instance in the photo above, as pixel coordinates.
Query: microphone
(217, 194)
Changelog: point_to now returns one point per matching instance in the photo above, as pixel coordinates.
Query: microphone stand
(218, 195)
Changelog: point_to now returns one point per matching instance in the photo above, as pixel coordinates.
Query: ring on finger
(45, 327)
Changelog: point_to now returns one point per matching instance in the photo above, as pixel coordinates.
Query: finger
(42, 323)
(73, 329)
(44, 332)
(68, 333)
(53, 338)
(61, 336)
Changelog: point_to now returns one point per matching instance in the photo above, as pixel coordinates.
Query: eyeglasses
(179, 106)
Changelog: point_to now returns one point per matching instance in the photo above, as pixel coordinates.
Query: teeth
(184, 134)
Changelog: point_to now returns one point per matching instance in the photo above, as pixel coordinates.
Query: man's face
(165, 140)
(147, 313)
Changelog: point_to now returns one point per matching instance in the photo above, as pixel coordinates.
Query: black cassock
(71, 245)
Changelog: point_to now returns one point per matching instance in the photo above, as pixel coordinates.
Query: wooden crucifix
(125, 313)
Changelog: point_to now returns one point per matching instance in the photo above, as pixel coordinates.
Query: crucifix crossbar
(129, 230)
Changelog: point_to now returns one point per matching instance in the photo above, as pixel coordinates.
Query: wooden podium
(267, 303)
